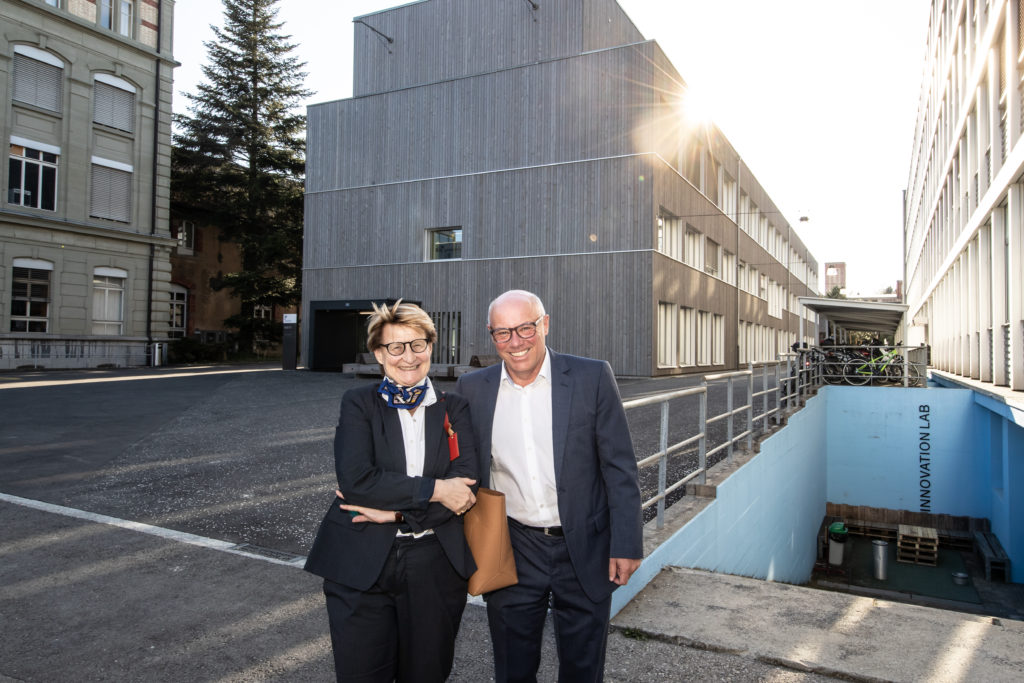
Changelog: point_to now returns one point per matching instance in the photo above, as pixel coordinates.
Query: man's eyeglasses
(398, 348)
(524, 331)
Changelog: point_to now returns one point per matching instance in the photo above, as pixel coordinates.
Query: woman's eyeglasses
(398, 348)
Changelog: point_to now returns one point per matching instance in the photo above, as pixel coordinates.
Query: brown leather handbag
(486, 528)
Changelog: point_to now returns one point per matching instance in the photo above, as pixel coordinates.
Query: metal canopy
(858, 316)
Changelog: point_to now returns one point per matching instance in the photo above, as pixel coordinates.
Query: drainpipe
(156, 156)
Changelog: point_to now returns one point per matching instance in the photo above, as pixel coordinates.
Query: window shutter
(114, 107)
(38, 83)
(111, 194)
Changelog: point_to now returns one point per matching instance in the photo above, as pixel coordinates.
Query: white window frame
(693, 252)
(29, 153)
(186, 238)
(435, 247)
(178, 324)
(667, 340)
(703, 338)
(717, 339)
(107, 315)
(117, 16)
(33, 317)
(687, 338)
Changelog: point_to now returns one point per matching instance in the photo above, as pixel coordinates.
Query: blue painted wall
(945, 450)
(906, 449)
(764, 521)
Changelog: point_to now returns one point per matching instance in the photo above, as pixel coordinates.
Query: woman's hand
(454, 494)
(367, 514)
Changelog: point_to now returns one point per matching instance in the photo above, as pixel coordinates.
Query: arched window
(38, 78)
(113, 102)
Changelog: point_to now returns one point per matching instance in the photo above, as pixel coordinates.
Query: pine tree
(239, 159)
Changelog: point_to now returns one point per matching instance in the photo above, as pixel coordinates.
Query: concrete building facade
(491, 145)
(964, 232)
(86, 89)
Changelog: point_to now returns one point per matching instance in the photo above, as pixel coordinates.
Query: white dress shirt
(522, 450)
(414, 439)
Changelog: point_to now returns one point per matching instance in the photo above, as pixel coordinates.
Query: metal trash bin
(836, 541)
(880, 550)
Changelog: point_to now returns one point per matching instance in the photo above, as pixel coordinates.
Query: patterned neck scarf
(402, 397)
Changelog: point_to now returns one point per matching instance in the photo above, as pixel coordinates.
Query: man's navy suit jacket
(369, 457)
(595, 466)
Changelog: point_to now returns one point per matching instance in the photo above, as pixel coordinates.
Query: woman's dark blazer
(369, 456)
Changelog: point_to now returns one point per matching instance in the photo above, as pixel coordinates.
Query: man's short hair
(533, 298)
(398, 313)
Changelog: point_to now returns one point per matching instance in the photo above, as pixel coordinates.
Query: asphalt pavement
(153, 524)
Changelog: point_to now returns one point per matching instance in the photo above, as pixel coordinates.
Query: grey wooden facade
(553, 139)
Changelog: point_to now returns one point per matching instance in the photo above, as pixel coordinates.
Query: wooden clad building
(492, 145)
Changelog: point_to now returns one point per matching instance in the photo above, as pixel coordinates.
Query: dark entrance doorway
(337, 331)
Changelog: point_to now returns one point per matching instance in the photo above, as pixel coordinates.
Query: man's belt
(546, 530)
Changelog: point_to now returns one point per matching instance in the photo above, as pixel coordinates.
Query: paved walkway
(830, 633)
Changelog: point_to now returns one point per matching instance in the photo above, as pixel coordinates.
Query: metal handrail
(666, 450)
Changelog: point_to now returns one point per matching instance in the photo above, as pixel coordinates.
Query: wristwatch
(399, 517)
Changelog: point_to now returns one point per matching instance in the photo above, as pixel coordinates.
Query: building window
(703, 338)
(712, 254)
(729, 267)
(114, 103)
(262, 311)
(32, 175)
(692, 248)
(444, 243)
(116, 15)
(687, 339)
(38, 78)
(670, 236)
(666, 335)
(53, 3)
(30, 295)
(111, 190)
(108, 300)
(179, 312)
(718, 340)
(186, 234)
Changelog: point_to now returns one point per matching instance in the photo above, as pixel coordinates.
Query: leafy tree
(239, 159)
(835, 293)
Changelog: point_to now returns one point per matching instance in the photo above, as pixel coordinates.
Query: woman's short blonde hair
(398, 313)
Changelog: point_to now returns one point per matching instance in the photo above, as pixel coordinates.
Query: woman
(391, 550)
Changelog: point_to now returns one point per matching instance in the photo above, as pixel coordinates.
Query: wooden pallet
(917, 545)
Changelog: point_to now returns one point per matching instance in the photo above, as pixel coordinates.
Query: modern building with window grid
(85, 87)
(964, 232)
(492, 144)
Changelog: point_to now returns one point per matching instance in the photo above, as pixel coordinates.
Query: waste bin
(837, 533)
(881, 558)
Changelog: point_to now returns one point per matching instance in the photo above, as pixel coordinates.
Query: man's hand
(454, 494)
(620, 569)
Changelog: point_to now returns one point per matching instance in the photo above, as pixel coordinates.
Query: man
(552, 436)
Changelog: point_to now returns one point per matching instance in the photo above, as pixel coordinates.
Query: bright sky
(819, 97)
